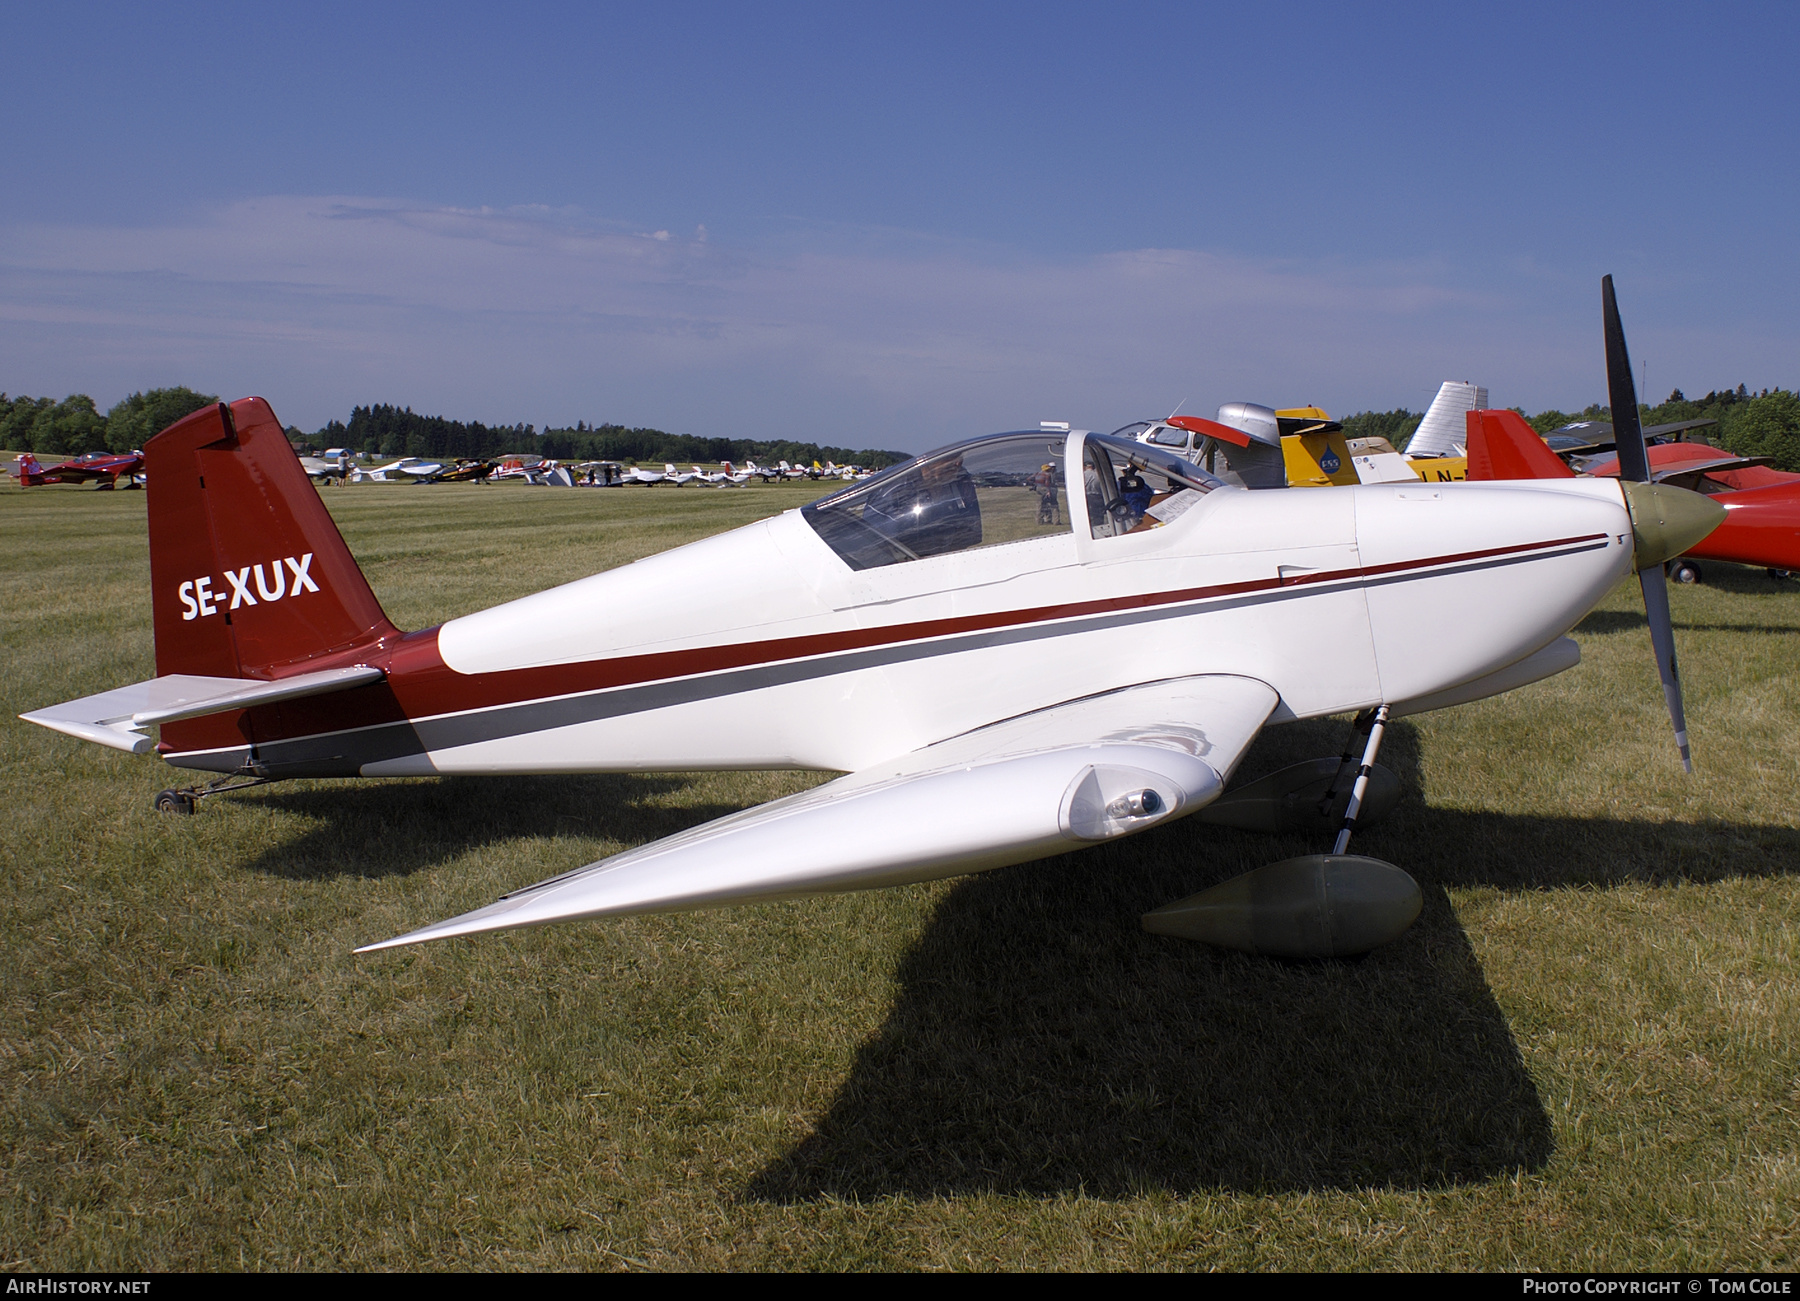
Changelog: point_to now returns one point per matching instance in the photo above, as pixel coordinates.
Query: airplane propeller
(1665, 520)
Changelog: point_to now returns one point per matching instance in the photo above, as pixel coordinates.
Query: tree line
(386, 430)
(75, 425)
(1766, 423)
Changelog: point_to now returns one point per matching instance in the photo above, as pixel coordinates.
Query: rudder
(250, 575)
(1503, 446)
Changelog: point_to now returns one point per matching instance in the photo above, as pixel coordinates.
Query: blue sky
(891, 228)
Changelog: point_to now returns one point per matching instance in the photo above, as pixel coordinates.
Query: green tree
(1765, 425)
(65, 428)
(17, 417)
(1396, 426)
(140, 417)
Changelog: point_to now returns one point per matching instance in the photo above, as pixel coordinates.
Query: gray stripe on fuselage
(341, 754)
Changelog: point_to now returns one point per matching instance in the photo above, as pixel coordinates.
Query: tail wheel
(175, 802)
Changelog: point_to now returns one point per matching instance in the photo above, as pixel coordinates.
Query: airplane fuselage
(1339, 601)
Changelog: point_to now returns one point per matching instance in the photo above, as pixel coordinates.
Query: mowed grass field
(1585, 1055)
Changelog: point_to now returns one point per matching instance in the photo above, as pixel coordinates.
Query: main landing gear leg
(1334, 905)
(1354, 748)
(1310, 797)
(186, 801)
(1377, 728)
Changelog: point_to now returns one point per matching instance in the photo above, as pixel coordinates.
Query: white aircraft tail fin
(1443, 430)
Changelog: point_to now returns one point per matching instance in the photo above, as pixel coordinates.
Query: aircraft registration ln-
(1007, 657)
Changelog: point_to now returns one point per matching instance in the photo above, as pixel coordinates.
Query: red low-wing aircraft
(103, 468)
(1762, 505)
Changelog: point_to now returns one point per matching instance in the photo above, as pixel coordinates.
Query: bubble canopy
(981, 492)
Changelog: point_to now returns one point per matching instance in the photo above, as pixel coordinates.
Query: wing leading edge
(1029, 787)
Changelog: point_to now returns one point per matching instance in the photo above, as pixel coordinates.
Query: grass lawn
(1586, 1055)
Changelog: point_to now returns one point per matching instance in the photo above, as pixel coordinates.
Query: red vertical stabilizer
(1502, 446)
(250, 576)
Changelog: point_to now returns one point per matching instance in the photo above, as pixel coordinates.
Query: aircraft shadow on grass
(1042, 1043)
(1610, 621)
(394, 829)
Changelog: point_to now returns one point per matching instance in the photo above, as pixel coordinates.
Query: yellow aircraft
(1303, 447)
(1317, 454)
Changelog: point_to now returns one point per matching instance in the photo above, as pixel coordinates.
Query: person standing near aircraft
(1044, 484)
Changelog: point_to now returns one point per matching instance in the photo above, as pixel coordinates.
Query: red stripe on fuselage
(420, 685)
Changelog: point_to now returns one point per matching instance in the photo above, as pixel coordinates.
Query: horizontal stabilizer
(1026, 788)
(1383, 467)
(114, 718)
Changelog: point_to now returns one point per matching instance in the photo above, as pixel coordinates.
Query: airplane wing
(115, 718)
(1709, 465)
(1028, 787)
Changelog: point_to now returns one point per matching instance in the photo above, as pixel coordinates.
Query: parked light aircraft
(407, 467)
(464, 471)
(334, 464)
(768, 473)
(597, 474)
(1762, 505)
(102, 469)
(1303, 447)
(516, 467)
(1000, 682)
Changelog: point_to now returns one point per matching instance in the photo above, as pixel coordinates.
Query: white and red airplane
(1007, 664)
(413, 468)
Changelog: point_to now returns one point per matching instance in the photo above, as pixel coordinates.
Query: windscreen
(982, 493)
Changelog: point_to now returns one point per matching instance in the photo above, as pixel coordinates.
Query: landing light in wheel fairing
(1009, 653)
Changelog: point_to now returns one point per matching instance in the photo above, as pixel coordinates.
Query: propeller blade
(1634, 459)
(1662, 638)
(1634, 467)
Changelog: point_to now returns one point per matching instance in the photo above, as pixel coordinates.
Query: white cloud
(544, 315)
